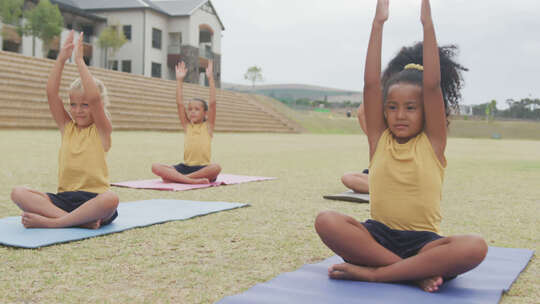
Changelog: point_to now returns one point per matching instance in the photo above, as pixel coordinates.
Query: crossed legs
(202, 176)
(40, 212)
(369, 261)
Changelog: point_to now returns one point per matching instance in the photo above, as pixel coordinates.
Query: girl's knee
(473, 248)
(477, 248)
(155, 168)
(18, 193)
(326, 219)
(110, 200)
(345, 178)
(216, 167)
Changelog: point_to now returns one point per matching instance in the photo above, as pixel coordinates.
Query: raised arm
(362, 118)
(212, 100)
(93, 97)
(434, 110)
(59, 113)
(372, 79)
(181, 73)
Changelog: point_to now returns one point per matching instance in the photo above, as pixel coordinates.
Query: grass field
(491, 188)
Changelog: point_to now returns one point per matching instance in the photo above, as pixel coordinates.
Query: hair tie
(414, 66)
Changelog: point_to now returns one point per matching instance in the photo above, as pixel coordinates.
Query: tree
(253, 74)
(491, 110)
(525, 108)
(111, 39)
(44, 21)
(11, 11)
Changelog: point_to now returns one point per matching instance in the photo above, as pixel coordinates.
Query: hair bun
(414, 66)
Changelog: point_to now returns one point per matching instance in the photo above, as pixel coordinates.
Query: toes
(339, 267)
(338, 275)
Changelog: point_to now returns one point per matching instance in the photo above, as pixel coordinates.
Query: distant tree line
(307, 103)
(525, 108)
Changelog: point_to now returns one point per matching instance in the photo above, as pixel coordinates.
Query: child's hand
(425, 14)
(381, 13)
(181, 71)
(79, 51)
(210, 69)
(67, 48)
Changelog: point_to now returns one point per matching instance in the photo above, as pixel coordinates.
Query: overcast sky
(324, 42)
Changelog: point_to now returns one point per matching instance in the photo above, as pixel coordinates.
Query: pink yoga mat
(158, 184)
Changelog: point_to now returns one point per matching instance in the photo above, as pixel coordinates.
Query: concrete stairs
(137, 102)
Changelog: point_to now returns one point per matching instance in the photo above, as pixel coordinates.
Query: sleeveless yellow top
(82, 164)
(197, 145)
(405, 184)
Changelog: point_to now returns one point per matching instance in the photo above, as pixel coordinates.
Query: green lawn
(491, 188)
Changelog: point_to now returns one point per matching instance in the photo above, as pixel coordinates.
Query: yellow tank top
(197, 145)
(82, 164)
(405, 184)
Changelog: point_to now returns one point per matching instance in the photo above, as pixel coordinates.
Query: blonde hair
(103, 93)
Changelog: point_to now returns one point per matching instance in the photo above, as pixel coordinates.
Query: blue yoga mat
(131, 215)
(310, 284)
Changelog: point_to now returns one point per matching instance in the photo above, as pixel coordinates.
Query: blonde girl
(83, 197)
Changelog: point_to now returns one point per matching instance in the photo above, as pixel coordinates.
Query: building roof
(172, 8)
(101, 5)
(179, 8)
(72, 7)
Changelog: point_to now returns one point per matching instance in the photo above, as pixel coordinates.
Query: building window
(88, 31)
(127, 31)
(156, 70)
(126, 66)
(156, 38)
(113, 65)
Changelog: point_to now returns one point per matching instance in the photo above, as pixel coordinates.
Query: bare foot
(92, 225)
(201, 181)
(430, 284)
(188, 180)
(33, 220)
(346, 271)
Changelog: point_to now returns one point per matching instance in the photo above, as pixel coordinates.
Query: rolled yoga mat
(310, 284)
(130, 215)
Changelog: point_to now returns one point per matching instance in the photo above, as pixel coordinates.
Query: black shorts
(366, 171)
(71, 200)
(403, 243)
(185, 169)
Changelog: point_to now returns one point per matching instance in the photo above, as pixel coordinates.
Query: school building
(159, 34)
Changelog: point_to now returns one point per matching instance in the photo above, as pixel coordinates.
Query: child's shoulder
(69, 126)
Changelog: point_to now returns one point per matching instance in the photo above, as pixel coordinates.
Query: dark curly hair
(451, 79)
